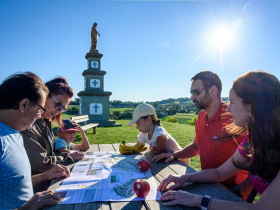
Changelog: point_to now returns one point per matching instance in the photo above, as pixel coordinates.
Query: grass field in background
(181, 117)
(111, 110)
(70, 106)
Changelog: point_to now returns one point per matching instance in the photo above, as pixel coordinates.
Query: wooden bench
(83, 119)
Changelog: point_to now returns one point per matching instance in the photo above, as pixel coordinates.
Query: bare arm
(85, 143)
(161, 144)
(269, 199)
(210, 175)
(189, 151)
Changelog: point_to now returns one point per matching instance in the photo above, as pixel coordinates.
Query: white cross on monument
(95, 108)
(94, 64)
(95, 83)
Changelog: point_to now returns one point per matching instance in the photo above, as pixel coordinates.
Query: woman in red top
(254, 104)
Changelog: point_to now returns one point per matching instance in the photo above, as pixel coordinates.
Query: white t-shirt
(171, 144)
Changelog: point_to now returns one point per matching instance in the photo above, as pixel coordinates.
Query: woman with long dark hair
(254, 104)
(39, 139)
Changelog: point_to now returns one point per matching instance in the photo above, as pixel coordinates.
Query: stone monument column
(94, 101)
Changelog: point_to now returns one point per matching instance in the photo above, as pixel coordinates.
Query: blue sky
(151, 49)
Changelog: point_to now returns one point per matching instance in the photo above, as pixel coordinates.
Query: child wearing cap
(151, 131)
(67, 134)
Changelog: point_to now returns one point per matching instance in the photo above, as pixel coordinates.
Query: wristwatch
(205, 202)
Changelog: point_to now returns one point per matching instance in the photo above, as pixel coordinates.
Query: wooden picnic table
(160, 171)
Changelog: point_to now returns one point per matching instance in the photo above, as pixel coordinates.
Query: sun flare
(222, 37)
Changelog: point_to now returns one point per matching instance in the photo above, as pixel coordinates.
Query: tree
(76, 101)
(155, 104)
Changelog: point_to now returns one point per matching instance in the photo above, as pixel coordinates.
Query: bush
(73, 110)
(116, 114)
(193, 121)
(125, 116)
(171, 119)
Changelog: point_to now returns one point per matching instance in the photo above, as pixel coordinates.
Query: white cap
(141, 111)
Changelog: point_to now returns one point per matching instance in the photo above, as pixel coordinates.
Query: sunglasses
(59, 106)
(42, 110)
(197, 91)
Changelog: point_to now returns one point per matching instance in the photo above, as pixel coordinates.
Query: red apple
(144, 165)
(141, 188)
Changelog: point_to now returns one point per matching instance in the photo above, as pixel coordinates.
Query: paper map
(106, 176)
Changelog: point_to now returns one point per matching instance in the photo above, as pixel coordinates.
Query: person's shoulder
(159, 128)
(59, 140)
(226, 116)
(202, 114)
(159, 131)
(5, 130)
(140, 135)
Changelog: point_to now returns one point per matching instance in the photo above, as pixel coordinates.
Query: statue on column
(94, 34)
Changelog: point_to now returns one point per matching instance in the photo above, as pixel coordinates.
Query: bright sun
(222, 37)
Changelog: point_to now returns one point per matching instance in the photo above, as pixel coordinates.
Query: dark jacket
(39, 148)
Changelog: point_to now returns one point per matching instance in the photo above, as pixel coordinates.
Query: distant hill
(181, 101)
(121, 104)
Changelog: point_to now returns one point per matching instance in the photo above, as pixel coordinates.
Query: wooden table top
(160, 171)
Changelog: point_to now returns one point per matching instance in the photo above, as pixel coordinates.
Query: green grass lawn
(182, 117)
(70, 106)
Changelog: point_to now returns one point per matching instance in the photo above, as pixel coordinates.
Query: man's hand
(56, 172)
(77, 155)
(40, 199)
(168, 156)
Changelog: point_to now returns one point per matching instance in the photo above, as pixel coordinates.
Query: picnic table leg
(94, 130)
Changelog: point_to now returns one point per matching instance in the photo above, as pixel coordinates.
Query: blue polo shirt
(15, 176)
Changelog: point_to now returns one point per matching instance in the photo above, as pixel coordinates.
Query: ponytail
(155, 120)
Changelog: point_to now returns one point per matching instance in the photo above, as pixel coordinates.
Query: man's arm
(189, 151)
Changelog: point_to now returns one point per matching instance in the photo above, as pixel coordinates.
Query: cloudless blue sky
(151, 49)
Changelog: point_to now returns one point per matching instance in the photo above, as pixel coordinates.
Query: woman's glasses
(42, 110)
(197, 91)
(59, 106)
